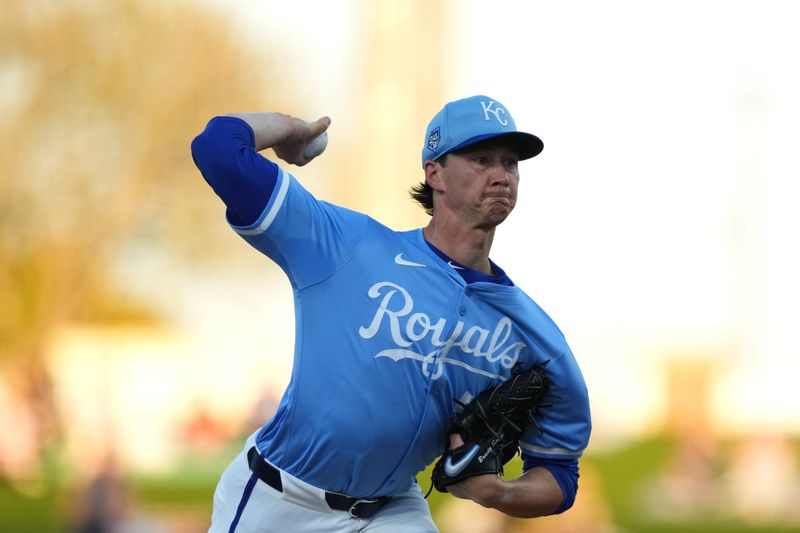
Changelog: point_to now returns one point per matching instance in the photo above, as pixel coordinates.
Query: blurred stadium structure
(138, 336)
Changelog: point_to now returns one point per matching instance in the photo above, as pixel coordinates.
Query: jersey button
(462, 311)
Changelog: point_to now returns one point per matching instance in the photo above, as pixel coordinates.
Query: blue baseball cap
(468, 121)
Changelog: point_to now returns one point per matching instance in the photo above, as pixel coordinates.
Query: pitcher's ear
(433, 176)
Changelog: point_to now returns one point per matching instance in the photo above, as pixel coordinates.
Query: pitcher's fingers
(456, 440)
(320, 125)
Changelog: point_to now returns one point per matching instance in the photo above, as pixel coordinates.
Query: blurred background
(141, 340)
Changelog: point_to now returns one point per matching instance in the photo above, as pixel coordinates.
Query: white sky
(661, 218)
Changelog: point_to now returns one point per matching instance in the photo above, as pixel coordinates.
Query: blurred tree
(100, 102)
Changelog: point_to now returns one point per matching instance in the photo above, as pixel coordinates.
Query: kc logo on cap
(493, 108)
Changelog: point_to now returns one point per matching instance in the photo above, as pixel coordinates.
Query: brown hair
(422, 193)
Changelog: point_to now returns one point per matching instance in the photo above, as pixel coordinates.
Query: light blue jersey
(388, 337)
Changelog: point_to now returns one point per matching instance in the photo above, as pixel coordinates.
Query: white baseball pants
(242, 505)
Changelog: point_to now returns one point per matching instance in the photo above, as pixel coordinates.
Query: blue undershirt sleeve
(244, 180)
(565, 472)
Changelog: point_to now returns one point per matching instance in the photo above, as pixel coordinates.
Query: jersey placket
(458, 314)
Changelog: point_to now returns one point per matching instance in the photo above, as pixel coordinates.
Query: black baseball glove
(490, 426)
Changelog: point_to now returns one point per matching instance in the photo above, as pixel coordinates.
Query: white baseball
(316, 146)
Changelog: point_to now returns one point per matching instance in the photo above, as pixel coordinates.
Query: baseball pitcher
(409, 345)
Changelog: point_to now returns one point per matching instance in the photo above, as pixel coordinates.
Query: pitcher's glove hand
(490, 426)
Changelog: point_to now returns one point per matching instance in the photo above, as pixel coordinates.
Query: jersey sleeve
(564, 471)
(563, 427)
(225, 154)
(308, 238)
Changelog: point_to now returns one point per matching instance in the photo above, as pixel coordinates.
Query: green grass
(188, 491)
(28, 514)
(626, 470)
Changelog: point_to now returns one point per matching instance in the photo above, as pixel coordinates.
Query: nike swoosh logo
(400, 261)
(453, 469)
(455, 266)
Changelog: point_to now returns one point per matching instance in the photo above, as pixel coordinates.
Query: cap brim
(527, 144)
